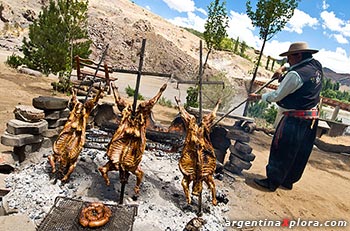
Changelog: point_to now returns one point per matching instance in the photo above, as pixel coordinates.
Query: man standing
(298, 95)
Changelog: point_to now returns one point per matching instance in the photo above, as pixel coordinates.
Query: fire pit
(64, 215)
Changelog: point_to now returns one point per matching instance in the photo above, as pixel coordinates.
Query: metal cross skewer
(125, 175)
(139, 76)
(200, 83)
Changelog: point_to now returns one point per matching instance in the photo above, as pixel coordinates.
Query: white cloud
(181, 5)
(274, 48)
(201, 10)
(241, 26)
(336, 60)
(340, 39)
(300, 20)
(331, 22)
(335, 24)
(324, 5)
(148, 7)
(191, 21)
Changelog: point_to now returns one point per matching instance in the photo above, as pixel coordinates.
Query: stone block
(28, 113)
(29, 148)
(52, 132)
(52, 114)
(64, 113)
(16, 127)
(20, 139)
(57, 123)
(47, 142)
(244, 156)
(56, 114)
(50, 103)
(104, 113)
(28, 71)
(242, 147)
(236, 161)
(233, 168)
(235, 134)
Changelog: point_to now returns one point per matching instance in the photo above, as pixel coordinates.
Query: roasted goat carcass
(198, 161)
(129, 140)
(70, 141)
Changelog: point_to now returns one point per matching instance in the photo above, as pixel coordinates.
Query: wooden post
(273, 63)
(267, 63)
(335, 113)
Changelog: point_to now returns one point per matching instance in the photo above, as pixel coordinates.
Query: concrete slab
(20, 139)
(50, 103)
(16, 127)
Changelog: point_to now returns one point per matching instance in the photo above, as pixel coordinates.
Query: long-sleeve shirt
(290, 83)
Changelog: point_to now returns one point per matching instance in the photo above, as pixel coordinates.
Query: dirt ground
(321, 195)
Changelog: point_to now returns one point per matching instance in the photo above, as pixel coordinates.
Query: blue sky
(323, 24)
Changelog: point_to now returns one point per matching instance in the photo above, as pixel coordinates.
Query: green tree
(270, 16)
(243, 48)
(227, 44)
(56, 36)
(192, 97)
(235, 49)
(215, 26)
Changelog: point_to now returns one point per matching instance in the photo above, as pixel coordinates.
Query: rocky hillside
(123, 25)
(343, 79)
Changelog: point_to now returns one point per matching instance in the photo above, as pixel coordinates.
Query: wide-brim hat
(298, 47)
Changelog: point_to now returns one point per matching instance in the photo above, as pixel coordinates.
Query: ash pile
(161, 204)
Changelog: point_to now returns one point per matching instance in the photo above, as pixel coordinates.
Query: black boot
(266, 184)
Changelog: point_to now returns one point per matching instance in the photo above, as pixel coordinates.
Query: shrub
(263, 110)
(131, 92)
(14, 61)
(165, 102)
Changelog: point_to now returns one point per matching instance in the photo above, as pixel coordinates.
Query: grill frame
(64, 216)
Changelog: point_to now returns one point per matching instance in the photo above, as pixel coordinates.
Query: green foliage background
(56, 36)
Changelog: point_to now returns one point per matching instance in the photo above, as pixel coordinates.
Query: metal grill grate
(64, 216)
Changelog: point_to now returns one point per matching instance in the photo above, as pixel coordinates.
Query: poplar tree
(215, 26)
(270, 16)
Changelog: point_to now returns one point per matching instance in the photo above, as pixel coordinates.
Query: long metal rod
(122, 191)
(138, 80)
(114, 69)
(97, 69)
(200, 83)
(229, 112)
(199, 213)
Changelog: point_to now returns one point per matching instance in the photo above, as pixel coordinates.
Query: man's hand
(279, 73)
(254, 97)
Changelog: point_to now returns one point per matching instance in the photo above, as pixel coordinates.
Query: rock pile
(241, 154)
(35, 126)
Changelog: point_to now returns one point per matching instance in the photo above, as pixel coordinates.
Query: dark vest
(308, 95)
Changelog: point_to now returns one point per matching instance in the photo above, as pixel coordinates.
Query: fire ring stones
(241, 154)
(50, 103)
(16, 127)
(36, 126)
(28, 113)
